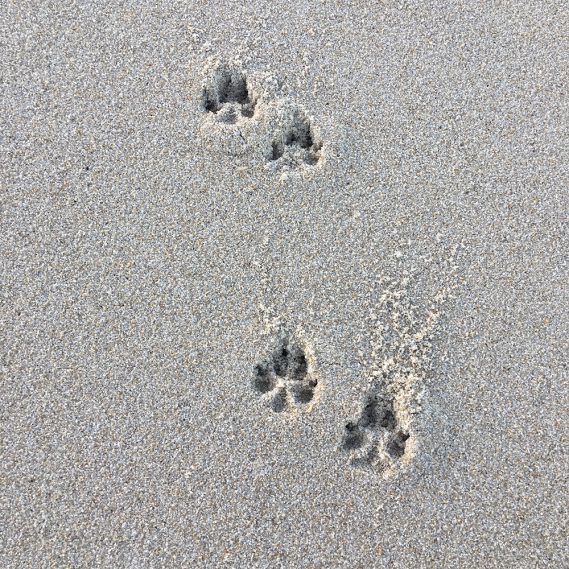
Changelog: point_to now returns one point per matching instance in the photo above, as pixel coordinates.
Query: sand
(284, 284)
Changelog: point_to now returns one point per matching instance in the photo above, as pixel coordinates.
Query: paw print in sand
(285, 379)
(377, 440)
(294, 140)
(227, 95)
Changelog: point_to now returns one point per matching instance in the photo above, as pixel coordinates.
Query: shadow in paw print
(263, 381)
(353, 437)
(299, 135)
(284, 378)
(279, 402)
(227, 95)
(396, 446)
(375, 434)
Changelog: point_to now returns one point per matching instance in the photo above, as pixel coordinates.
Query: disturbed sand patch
(382, 438)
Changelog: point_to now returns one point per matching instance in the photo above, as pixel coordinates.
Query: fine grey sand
(284, 284)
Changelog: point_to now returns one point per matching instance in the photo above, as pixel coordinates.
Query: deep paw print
(285, 379)
(295, 142)
(227, 96)
(376, 441)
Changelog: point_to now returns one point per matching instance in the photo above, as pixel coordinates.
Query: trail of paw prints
(247, 116)
(286, 380)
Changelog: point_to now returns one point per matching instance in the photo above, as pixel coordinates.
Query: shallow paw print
(376, 441)
(285, 380)
(294, 141)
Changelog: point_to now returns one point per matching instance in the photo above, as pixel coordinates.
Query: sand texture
(284, 284)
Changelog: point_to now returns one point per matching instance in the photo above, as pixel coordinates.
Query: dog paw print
(286, 379)
(295, 141)
(227, 96)
(376, 441)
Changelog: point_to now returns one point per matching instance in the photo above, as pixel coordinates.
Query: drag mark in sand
(382, 439)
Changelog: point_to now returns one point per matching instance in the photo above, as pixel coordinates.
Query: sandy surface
(284, 285)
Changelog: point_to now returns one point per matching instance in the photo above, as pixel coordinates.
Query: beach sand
(284, 284)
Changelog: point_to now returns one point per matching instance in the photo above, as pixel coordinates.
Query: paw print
(294, 141)
(227, 95)
(376, 440)
(285, 379)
